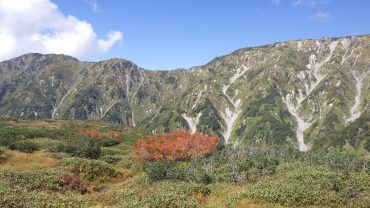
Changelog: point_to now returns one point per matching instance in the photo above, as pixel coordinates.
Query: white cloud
(310, 3)
(28, 26)
(94, 5)
(275, 1)
(298, 2)
(321, 16)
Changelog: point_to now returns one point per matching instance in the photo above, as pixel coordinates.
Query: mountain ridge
(183, 68)
(286, 93)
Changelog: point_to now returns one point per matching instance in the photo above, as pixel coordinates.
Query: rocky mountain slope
(307, 93)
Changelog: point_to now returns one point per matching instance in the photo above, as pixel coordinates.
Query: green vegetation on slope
(245, 176)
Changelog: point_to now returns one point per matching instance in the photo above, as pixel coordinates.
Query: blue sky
(168, 34)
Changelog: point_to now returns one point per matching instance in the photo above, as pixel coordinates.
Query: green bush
(228, 165)
(250, 163)
(114, 151)
(24, 146)
(11, 134)
(162, 195)
(111, 159)
(45, 143)
(84, 147)
(176, 171)
(107, 142)
(19, 197)
(40, 180)
(254, 167)
(339, 161)
(91, 170)
(202, 189)
(299, 184)
(131, 138)
(157, 170)
(8, 136)
(127, 162)
(124, 146)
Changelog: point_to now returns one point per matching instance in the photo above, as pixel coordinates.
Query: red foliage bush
(74, 182)
(96, 189)
(98, 135)
(174, 146)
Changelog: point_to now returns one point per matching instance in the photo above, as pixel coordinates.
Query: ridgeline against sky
(169, 34)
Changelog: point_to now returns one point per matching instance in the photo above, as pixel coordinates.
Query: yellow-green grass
(15, 160)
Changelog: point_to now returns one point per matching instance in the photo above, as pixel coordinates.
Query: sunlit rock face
(296, 93)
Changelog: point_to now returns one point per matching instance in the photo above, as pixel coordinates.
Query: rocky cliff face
(306, 93)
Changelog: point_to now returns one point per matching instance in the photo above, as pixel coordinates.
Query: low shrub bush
(83, 147)
(24, 146)
(74, 183)
(127, 162)
(8, 136)
(339, 161)
(244, 164)
(40, 180)
(299, 184)
(158, 170)
(112, 151)
(228, 165)
(111, 159)
(108, 142)
(164, 195)
(45, 143)
(91, 170)
(20, 197)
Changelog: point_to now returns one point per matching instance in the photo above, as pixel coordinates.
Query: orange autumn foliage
(178, 145)
(98, 135)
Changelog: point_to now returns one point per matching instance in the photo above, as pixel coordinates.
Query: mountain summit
(306, 93)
